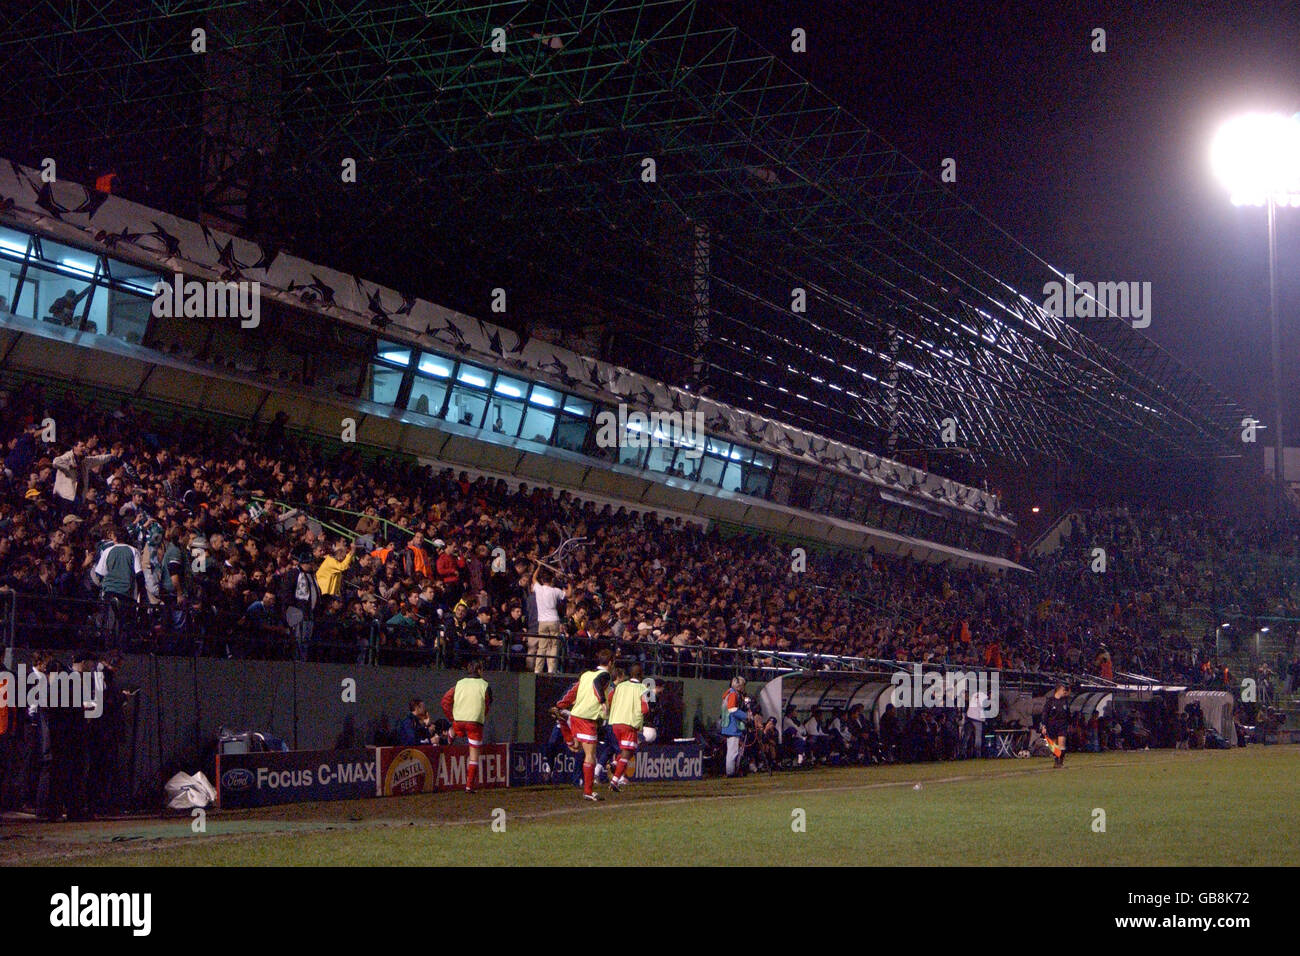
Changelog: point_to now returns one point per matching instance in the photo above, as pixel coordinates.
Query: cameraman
(735, 722)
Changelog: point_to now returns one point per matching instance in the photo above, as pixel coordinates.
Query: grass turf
(1161, 807)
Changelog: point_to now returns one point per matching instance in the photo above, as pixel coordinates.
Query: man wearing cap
(299, 594)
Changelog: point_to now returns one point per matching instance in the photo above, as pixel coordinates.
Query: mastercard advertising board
(426, 769)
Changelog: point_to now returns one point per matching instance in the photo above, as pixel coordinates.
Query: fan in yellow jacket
(329, 576)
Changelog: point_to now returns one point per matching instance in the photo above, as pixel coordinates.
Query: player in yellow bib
(627, 713)
(466, 705)
(587, 703)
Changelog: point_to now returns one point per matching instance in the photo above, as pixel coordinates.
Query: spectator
(329, 576)
(299, 594)
(72, 472)
(415, 726)
(545, 648)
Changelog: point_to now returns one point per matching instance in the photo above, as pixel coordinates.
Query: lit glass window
(571, 433)
(384, 384)
(510, 387)
(13, 244)
(467, 406)
(427, 396)
(473, 376)
(435, 365)
(755, 481)
(394, 353)
(574, 405)
(55, 297)
(546, 397)
(538, 425)
(711, 471)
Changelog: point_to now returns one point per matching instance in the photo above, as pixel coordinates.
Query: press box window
(387, 371)
(574, 419)
(507, 412)
(469, 399)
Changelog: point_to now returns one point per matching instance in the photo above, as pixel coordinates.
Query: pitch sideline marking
(162, 843)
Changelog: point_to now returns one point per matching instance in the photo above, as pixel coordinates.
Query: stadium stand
(221, 517)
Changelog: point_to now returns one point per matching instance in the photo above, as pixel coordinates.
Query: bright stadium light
(1257, 156)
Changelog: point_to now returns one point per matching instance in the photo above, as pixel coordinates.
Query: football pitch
(1223, 808)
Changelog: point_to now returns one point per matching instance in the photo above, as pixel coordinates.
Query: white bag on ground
(184, 792)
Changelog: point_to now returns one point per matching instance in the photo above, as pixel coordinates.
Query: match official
(1056, 721)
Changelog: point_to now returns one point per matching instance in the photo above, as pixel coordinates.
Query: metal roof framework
(525, 170)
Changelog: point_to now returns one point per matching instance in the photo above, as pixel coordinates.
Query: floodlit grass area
(1161, 807)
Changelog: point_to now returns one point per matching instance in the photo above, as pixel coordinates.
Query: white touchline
(308, 828)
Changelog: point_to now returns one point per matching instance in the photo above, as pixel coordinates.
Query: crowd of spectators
(192, 536)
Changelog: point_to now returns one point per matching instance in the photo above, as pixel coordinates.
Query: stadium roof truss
(524, 169)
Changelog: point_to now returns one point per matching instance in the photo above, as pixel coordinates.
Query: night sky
(1097, 162)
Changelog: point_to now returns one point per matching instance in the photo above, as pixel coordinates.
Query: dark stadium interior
(506, 175)
(480, 239)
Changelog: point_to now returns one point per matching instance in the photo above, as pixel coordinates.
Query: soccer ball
(649, 734)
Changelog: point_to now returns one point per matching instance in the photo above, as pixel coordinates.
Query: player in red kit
(466, 705)
(628, 707)
(587, 703)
